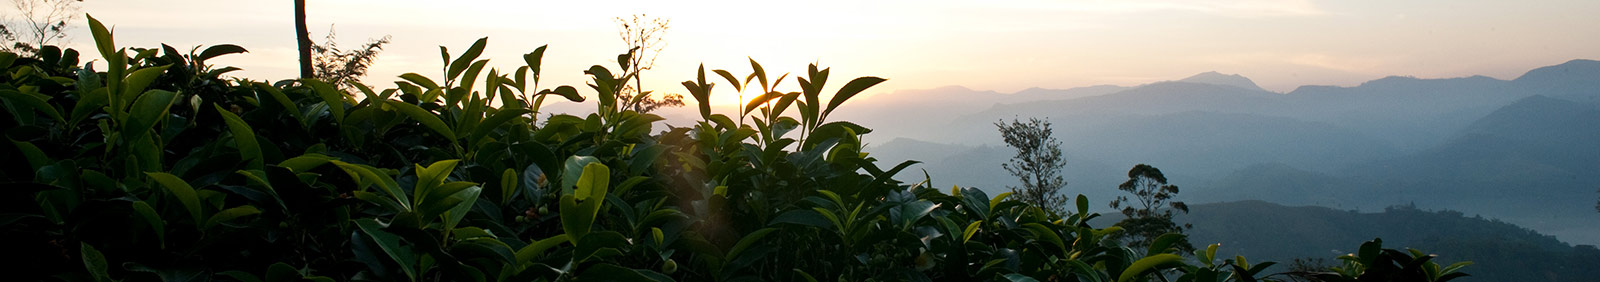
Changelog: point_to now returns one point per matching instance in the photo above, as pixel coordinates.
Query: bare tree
(345, 68)
(643, 36)
(38, 23)
(1037, 164)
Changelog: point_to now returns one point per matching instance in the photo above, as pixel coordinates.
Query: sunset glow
(1005, 47)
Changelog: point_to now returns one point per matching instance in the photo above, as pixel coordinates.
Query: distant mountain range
(1500, 251)
(1216, 78)
(1524, 150)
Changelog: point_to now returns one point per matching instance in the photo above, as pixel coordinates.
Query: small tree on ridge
(1037, 164)
(1147, 216)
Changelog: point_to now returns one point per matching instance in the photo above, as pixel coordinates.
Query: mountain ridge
(1213, 77)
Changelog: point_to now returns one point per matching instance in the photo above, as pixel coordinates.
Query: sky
(1004, 46)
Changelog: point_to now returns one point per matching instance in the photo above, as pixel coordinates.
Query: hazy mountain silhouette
(1041, 94)
(1522, 150)
(1267, 231)
(1531, 162)
(1574, 80)
(1412, 113)
(1234, 80)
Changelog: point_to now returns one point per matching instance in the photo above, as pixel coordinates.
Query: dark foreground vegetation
(157, 168)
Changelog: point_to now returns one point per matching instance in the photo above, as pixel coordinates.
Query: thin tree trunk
(304, 38)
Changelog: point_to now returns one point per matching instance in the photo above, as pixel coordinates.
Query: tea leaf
(428, 119)
(181, 190)
(94, 261)
(243, 136)
(849, 90)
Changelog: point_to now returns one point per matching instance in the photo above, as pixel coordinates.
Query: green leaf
(573, 170)
(463, 200)
(574, 221)
(702, 91)
(288, 104)
(998, 199)
(466, 81)
(744, 243)
(971, 230)
(35, 157)
(1148, 264)
(102, 39)
(243, 136)
(911, 212)
(1455, 267)
(612, 272)
(850, 90)
(139, 79)
(431, 177)
(757, 72)
(493, 122)
(534, 59)
(594, 183)
(605, 83)
(975, 200)
(508, 185)
(282, 272)
(571, 94)
(1083, 204)
(528, 253)
(390, 243)
(152, 219)
(94, 261)
(1369, 251)
(1207, 255)
(334, 98)
(231, 214)
(737, 87)
(757, 101)
(837, 224)
(428, 119)
(372, 176)
(804, 275)
(1046, 234)
(461, 63)
(89, 104)
(1016, 277)
(181, 190)
(306, 162)
(146, 111)
(423, 81)
(1164, 244)
(802, 217)
(30, 102)
(219, 50)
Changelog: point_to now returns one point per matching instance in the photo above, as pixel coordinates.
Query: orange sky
(1006, 46)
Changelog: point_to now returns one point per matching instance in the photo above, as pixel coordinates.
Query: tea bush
(158, 168)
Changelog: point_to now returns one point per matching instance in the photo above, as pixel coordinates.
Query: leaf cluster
(149, 171)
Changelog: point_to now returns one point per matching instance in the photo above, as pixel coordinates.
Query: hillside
(1532, 162)
(1519, 150)
(1573, 80)
(1217, 78)
(1282, 233)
